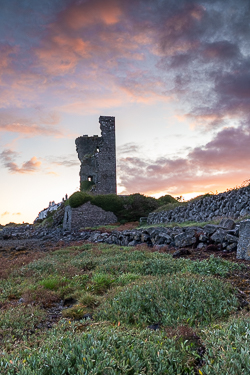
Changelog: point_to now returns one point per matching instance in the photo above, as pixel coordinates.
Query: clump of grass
(227, 347)
(18, 321)
(214, 266)
(101, 282)
(182, 225)
(170, 206)
(75, 312)
(127, 278)
(89, 300)
(53, 283)
(146, 263)
(40, 296)
(103, 351)
(187, 298)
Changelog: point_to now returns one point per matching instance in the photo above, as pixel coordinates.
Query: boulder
(185, 239)
(218, 236)
(227, 224)
(243, 248)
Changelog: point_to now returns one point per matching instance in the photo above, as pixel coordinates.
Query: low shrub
(78, 198)
(227, 348)
(103, 351)
(214, 266)
(109, 202)
(136, 206)
(188, 299)
(18, 320)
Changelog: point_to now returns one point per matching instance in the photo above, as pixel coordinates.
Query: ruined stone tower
(98, 158)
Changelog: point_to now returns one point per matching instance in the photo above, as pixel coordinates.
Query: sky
(175, 74)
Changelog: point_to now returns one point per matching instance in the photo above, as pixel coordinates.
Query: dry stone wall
(233, 204)
(86, 215)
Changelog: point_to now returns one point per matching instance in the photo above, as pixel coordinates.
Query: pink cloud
(80, 15)
(60, 53)
(30, 166)
(221, 163)
(45, 123)
(5, 56)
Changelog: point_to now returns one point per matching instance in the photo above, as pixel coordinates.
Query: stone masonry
(98, 158)
(86, 215)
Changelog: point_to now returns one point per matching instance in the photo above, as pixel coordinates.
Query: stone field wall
(226, 237)
(233, 204)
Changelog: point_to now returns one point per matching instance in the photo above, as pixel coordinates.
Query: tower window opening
(97, 149)
(90, 178)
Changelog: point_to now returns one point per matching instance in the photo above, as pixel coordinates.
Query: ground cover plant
(107, 309)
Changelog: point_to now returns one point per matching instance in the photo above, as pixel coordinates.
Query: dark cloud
(191, 49)
(234, 85)
(196, 52)
(223, 50)
(8, 156)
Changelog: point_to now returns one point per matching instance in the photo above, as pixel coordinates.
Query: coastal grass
(125, 290)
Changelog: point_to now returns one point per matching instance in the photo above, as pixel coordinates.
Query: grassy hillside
(124, 311)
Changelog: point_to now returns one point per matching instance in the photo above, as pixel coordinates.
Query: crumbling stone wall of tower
(98, 158)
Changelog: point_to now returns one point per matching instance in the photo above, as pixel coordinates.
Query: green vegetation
(182, 299)
(184, 224)
(125, 290)
(127, 208)
(170, 206)
(227, 347)
(165, 199)
(86, 186)
(78, 198)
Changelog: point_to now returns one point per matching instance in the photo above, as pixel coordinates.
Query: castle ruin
(98, 159)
